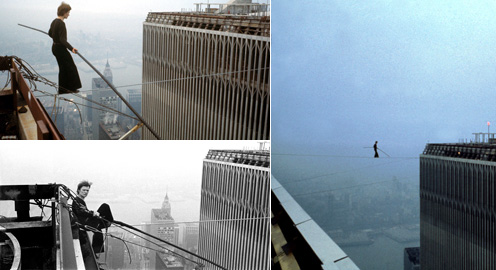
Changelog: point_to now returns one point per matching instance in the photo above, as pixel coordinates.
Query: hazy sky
(401, 72)
(107, 16)
(133, 177)
(110, 18)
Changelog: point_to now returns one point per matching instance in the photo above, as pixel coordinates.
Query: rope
(354, 186)
(117, 223)
(150, 241)
(204, 221)
(31, 75)
(54, 85)
(94, 230)
(110, 85)
(70, 193)
(334, 173)
(336, 156)
(184, 78)
(109, 109)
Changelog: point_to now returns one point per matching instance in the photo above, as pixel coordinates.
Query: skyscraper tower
(207, 77)
(162, 226)
(234, 213)
(103, 94)
(107, 73)
(457, 206)
(166, 207)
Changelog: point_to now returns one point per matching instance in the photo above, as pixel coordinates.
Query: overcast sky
(404, 73)
(110, 18)
(133, 177)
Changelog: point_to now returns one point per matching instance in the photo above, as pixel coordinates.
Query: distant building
(207, 77)
(104, 95)
(186, 235)
(115, 250)
(164, 262)
(134, 98)
(162, 226)
(412, 258)
(57, 115)
(110, 130)
(457, 206)
(234, 212)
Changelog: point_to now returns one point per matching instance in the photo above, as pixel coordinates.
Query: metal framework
(239, 192)
(206, 77)
(44, 128)
(457, 208)
(41, 244)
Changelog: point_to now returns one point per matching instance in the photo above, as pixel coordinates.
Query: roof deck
(250, 25)
(476, 151)
(260, 158)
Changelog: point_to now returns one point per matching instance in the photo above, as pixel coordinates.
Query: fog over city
(132, 178)
(346, 74)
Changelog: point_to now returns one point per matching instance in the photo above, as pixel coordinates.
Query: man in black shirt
(97, 220)
(69, 80)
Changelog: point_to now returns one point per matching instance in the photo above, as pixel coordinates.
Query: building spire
(107, 72)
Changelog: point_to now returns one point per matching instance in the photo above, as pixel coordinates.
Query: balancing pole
(109, 84)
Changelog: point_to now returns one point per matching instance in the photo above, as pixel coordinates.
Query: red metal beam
(38, 111)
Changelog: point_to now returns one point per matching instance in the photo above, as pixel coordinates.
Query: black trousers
(68, 73)
(99, 224)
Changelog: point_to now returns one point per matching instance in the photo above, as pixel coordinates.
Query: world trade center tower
(457, 206)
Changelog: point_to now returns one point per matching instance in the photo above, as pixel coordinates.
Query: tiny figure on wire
(375, 149)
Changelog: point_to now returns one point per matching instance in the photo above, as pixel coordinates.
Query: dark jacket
(80, 210)
(58, 33)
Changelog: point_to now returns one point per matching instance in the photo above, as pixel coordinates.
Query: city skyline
(127, 177)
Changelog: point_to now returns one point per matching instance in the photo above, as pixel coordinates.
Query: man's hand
(96, 214)
(74, 50)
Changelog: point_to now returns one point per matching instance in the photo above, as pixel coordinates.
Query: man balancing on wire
(90, 220)
(375, 149)
(69, 80)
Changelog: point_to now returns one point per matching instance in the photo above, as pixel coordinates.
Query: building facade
(457, 206)
(206, 77)
(234, 229)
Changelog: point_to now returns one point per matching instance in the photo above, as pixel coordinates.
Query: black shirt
(58, 33)
(81, 210)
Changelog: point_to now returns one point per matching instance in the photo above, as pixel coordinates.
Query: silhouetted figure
(91, 218)
(375, 149)
(69, 80)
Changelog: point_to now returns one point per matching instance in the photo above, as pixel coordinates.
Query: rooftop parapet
(260, 158)
(249, 25)
(477, 151)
